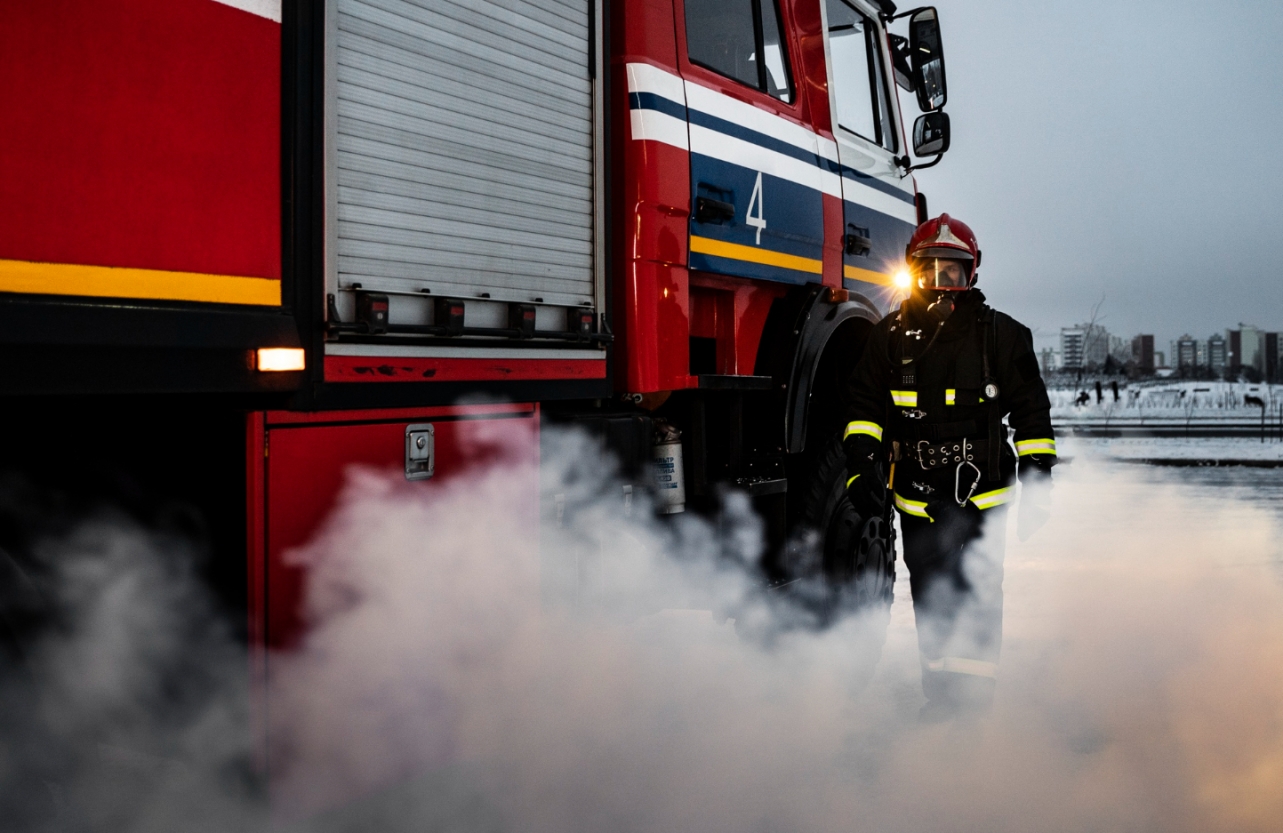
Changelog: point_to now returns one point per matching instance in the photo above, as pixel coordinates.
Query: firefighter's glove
(866, 477)
(1035, 496)
(867, 491)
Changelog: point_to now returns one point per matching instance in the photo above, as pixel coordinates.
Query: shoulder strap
(895, 348)
(989, 344)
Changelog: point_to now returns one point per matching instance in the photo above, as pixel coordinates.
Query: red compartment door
(299, 469)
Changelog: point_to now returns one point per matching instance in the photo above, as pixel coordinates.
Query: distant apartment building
(1143, 353)
(1272, 357)
(1084, 346)
(1185, 353)
(1071, 347)
(1253, 342)
(1217, 354)
(1049, 360)
(1119, 349)
(1160, 360)
(1247, 350)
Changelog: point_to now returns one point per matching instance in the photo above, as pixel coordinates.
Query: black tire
(840, 562)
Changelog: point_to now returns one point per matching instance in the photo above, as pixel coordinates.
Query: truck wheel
(848, 559)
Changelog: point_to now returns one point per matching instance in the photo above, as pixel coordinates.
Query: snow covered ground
(1239, 472)
(1221, 449)
(1168, 400)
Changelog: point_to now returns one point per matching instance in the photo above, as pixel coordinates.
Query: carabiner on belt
(957, 476)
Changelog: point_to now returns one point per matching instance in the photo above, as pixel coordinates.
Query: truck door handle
(709, 210)
(858, 245)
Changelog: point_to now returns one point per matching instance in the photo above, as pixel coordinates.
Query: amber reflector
(281, 358)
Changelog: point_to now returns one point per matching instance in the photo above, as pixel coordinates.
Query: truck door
(878, 211)
(757, 178)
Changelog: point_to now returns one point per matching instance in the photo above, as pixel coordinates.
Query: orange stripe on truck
(734, 251)
(119, 282)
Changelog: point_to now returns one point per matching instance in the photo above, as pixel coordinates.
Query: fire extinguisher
(670, 479)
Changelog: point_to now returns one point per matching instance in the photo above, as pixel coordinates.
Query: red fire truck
(245, 244)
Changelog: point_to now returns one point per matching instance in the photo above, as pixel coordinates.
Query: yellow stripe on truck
(855, 273)
(122, 282)
(766, 257)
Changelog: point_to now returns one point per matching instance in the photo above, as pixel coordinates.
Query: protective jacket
(933, 393)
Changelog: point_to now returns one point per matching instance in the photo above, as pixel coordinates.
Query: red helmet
(943, 254)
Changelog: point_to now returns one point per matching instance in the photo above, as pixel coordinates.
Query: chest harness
(937, 445)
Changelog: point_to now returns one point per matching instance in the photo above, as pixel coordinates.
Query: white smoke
(468, 667)
(129, 709)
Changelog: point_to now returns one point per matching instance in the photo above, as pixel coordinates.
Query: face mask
(935, 273)
(941, 309)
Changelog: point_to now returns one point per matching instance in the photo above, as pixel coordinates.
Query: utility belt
(910, 432)
(931, 455)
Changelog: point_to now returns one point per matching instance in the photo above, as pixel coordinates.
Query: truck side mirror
(926, 56)
(931, 134)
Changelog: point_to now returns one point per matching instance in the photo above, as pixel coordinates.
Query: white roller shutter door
(464, 148)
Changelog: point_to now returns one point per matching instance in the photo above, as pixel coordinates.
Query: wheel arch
(830, 339)
(805, 336)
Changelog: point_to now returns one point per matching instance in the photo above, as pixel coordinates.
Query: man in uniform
(926, 407)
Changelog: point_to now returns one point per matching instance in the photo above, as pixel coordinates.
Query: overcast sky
(1130, 150)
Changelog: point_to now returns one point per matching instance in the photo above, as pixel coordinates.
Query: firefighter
(925, 430)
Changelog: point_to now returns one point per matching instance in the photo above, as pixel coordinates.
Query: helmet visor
(943, 273)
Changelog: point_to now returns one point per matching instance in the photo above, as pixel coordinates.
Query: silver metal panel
(393, 275)
(560, 90)
(478, 210)
(462, 237)
(447, 273)
(503, 147)
(363, 57)
(463, 160)
(442, 39)
(451, 19)
(508, 262)
(422, 266)
(513, 199)
(569, 17)
(399, 147)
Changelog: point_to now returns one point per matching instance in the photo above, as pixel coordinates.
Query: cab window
(740, 39)
(859, 76)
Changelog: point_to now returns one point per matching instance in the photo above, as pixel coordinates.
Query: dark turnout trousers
(955, 574)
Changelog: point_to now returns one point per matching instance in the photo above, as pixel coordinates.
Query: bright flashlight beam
(901, 279)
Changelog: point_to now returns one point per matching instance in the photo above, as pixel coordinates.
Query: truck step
(721, 382)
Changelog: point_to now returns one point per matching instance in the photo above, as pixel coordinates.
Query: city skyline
(1049, 337)
(1246, 350)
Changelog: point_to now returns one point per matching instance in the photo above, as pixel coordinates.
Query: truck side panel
(142, 151)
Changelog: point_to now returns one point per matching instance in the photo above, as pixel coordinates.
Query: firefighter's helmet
(943, 255)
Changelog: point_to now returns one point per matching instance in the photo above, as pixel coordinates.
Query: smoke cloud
(469, 668)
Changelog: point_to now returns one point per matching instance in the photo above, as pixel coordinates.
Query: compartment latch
(420, 452)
